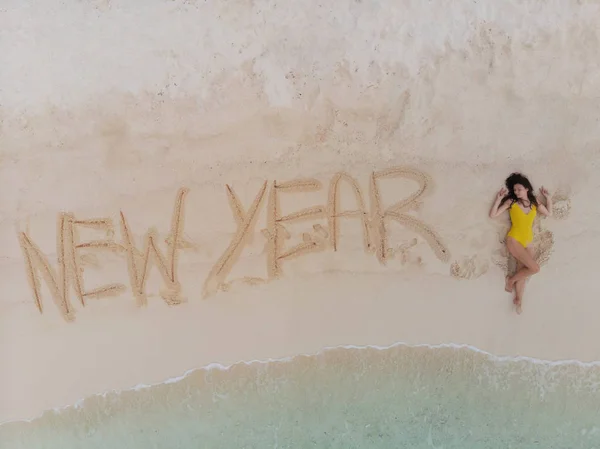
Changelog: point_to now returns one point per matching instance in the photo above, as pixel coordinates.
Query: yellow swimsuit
(522, 224)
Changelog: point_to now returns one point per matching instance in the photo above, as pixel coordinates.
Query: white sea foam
(218, 366)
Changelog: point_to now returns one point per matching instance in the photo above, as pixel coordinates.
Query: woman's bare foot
(509, 286)
(518, 304)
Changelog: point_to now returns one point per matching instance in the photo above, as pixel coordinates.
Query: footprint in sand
(561, 204)
(469, 267)
(403, 252)
(543, 243)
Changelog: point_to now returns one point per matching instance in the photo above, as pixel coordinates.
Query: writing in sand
(68, 274)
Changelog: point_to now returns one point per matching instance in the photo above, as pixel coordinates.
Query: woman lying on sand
(519, 199)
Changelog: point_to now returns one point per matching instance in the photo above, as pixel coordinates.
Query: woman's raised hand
(502, 193)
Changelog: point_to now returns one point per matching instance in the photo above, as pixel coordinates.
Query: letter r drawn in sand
(396, 213)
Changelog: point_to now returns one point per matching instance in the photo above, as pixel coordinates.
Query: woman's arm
(545, 210)
(496, 208)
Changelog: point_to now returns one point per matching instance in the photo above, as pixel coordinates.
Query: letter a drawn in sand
(334, 213)
(139, 261)
(395, 212)
(245, 224)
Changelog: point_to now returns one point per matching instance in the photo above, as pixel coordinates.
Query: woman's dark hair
(518, 178)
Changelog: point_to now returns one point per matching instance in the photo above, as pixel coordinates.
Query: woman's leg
(525, 257)
(520, 285)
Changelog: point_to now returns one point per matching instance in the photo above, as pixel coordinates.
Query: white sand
(103, 115)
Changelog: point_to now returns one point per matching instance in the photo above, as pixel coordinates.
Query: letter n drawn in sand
(395, 212)
(245, 224)
(58, 282)
(276, 229)
(139, 261)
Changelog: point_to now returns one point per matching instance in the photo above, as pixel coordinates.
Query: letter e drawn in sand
(275, 225)
(139, 261)
(396, 212)
(58, 282)
(245, 224)
(109, 244)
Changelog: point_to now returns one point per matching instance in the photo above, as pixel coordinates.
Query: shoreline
(381, 307)
(221, 367)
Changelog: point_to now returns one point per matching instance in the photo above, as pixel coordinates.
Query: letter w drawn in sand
(167, 266)
(245, 225)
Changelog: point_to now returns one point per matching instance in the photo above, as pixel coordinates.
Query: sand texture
(188, 182)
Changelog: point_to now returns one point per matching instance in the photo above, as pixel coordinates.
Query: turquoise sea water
(400, 397)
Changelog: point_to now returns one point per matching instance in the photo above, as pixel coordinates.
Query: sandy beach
(222, 182)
